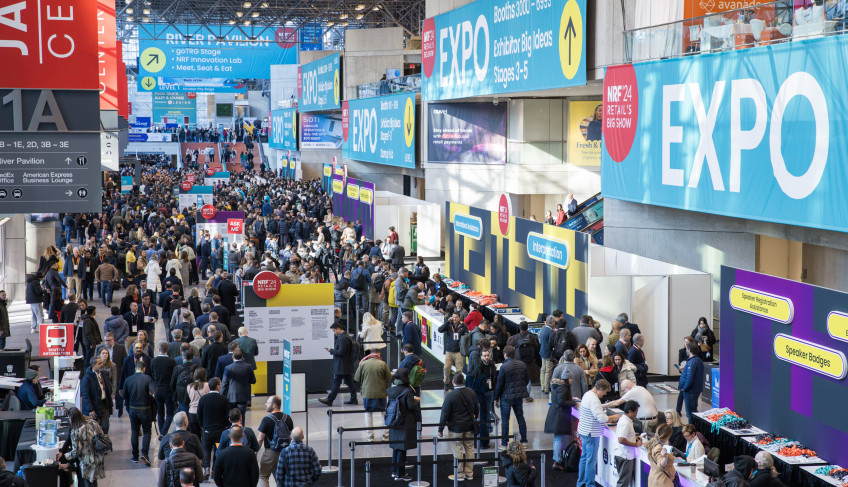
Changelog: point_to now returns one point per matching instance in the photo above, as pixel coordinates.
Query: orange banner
(699, 8)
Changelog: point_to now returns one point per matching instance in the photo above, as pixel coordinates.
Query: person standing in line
(636, 356)
(213, 418)
(162, 368)
(342, 366)
(238, 376)
(510, 391)
(452, 331)
(375, 378)
(460, 410)
(298, 465)
(590, 428)
(138, 393)
(271, 428)
(236, 465)
(527, 347)
(482, 376)
(624, 450)
(691, 382)
(403, 436)
(558, 422)
(248, 346)
(178, 459)
(4, 320)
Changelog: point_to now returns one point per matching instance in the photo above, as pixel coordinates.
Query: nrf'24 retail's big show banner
(491, 47)
(755, 133)
(212, 51)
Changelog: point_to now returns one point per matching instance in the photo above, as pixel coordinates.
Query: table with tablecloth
(11, 425)
(24, 454)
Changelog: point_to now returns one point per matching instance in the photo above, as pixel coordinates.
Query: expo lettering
(11, 16)
(800, 84)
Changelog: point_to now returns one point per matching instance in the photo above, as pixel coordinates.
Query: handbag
(674, 480)
(102, 443)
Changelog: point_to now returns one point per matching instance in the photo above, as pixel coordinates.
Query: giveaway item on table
(724, 417)
(835, 472)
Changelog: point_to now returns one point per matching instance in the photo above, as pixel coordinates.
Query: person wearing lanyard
(452, 330)
(694, 448)
(149, 315)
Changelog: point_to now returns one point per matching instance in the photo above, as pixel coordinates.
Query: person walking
(510, 392)
(91, 462)
(106, 274)
(4, 320)
(452, 331)
(138, 394)
(34, 298)
(527, 348)
(191, 443)
(162, 368)
(403, 436)
(298, 465)
(178, 459)
(96, 394)
(213, 417)
(91, 334)
(236, 465)
(275, 435)
(342, 366)
(482, 376)
(459, 412)
(238, 376)
(590, 428)
(375, 378)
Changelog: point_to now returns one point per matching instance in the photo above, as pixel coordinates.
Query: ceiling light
(359, 17)
(254, 14)
(146, 11)
(239, 14)
(247, 4)
(264, 5)
(343, 24)
(146, 19)
(129, 19)
(330, 24)
(129, 2)
(129, 10)
(360, 7)
(231, 22)
(246, 22)
(343, 16)
(376, 8)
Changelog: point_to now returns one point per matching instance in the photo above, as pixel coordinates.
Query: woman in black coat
(519, 473)
(704, 336)
(403, 437)
(558, 422)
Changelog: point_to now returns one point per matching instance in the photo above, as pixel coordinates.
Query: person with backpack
(403, 413)
(181, 377)
(415, 366)
(511, 388)
(558, 422)
(527, 348)
(178, 458)
(274, 435)
(375, 377)
(191, 442)
(453, 333)
(460, 410)
(360, 280)
(344, 360)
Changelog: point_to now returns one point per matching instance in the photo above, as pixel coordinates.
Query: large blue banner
(380, 130)
(213, 51)
(175, 107)
(319, 84)
(311, 37)
(283, 129)
(753, 133)
(489, 47)
(196, 85)
(320, 131)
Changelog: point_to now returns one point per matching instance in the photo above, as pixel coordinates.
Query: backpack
(357, 281)
(466, 343)
(417, 374)
(355, 351)
(173, 474)
(525, 349)
(394, 415)
(561, 343)
(571, 457)
(185, 378)
(282, 435)
(379, 280)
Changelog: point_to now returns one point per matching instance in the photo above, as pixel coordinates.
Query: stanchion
(329, 467)
(368, 474)
(543, 470)
(341, 433)
(419, 482)
(352, 460)
(435, 460)
(455, 472)
(501, 478)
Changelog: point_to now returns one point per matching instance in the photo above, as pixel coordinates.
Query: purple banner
(355, 202)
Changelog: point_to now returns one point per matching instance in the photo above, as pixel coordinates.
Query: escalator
(589, 219)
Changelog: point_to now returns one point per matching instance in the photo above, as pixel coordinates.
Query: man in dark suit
(236, 465)
(213, 417)
(343, 367)
(229, 293)
(623, 343)
(69, 311)
(162, 368)
(625, 323)
(226, 360)
(238, 376)
(96, 394)
(117, 354)
(222, 312)
(214, 351)
(636, 356)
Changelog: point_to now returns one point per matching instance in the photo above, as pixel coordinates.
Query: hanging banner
(380, 130)
(584, 132)
(107, 56)
(753, 133)
(197, 85)
(179, 108)
(320, 131)
(211, 51)
(467, 133)
(195, 195)
(283, 129)
(489, 47)
(353, 200)
(126, 184)
(319, 84)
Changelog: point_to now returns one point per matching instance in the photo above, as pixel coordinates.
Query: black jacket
(162, 367)
(177, 460)
(448, 330)
(236, 466)
(743, 465)
(459, 410)
(512, 381)
(212, 412)
(91, 335)
(9, 479)
(137, 391)
(404, 437)
(34, 292)
(90, 394)
(229, 293)
(211, 354)
(558, 421)
(342, 364)
(4, 319)
(190, 440)
(521, 475)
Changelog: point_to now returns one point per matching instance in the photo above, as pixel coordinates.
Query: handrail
(788, 3)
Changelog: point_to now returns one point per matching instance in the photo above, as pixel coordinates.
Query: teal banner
(380, 130)
(179, 108)
(319, 84)
(283, 129)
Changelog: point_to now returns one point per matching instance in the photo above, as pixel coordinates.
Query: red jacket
(473, 319)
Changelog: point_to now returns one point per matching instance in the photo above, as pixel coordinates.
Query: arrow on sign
(155, 58)
(570, 33)
(409, 126)
(68, 192)
(148, 84)
(68, 160)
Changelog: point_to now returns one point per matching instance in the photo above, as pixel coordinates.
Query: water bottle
(48, 433)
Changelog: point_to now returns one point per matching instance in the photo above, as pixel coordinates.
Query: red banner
(124, 106)
(51, 44)
(107, 55)
(235, 227)
(56, 339)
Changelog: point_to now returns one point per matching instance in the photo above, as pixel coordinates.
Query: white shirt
(592, 416)
(647, 407)
(625, 430)
(694, 450)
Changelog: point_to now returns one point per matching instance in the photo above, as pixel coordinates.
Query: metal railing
(403, 84)
(756, 25)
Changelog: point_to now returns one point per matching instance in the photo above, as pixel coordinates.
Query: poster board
(219, 177)
(230, 224)
(195, 195)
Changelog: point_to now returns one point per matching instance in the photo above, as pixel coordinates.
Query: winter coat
(375, 377)
(372, 333)
(404, 436)
(521, 475)
(558, 421)
(118, 326)
(341, 355)
(512, 381)
(91, 463)
(4, 319)
(627, 372)
(743, 465)
(153, 270)
(34, 292)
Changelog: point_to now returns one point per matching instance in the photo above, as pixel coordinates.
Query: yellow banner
(837, 325)
(817, 358)
(366, 196)
(328, 171)
(338, 186)
(584, 132)
(339, 171)
(291, 164)
(353, 191)
(762, 304)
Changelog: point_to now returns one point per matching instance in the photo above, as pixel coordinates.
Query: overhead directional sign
(380, 130)
(196, 85)
(489, 47)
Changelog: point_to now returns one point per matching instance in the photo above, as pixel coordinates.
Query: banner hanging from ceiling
(380, 130)
(319, 84)
(283, 129)
(196, 85)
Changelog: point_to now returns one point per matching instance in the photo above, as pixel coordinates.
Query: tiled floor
(121, 472)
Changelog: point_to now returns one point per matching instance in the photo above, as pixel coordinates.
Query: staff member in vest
(591, 427)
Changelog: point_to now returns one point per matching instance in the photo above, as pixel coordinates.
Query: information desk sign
(49, 151)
